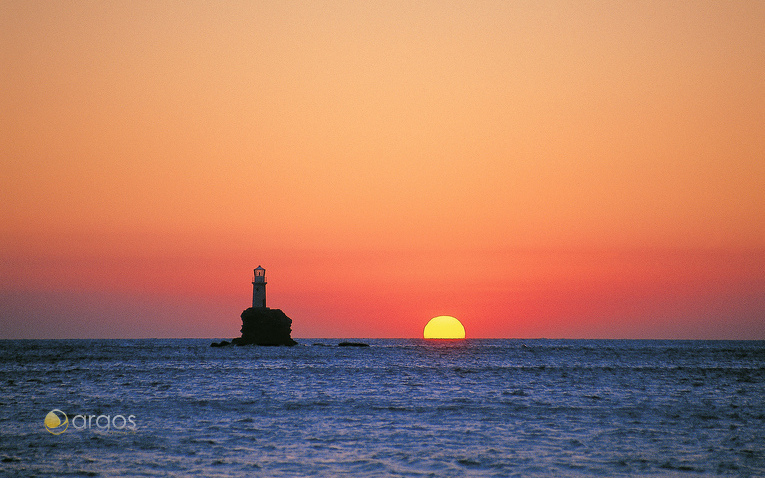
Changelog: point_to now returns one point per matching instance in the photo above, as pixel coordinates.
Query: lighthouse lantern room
(259, 288)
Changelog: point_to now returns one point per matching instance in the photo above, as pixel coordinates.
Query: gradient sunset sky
(534, 168)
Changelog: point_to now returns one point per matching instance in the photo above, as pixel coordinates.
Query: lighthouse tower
(259, 288)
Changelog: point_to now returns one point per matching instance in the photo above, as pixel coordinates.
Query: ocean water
(396, 408)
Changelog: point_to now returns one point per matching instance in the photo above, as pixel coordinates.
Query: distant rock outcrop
(263, 326)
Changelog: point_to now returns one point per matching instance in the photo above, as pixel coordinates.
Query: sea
(428, 408)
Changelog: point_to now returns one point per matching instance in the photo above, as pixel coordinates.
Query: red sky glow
(535, 169)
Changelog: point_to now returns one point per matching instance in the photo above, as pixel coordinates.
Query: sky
(560, 169)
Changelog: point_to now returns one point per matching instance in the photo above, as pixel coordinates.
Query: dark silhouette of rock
(352, 344)
(264, 326)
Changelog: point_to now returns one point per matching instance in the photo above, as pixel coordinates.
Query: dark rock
(222, 343)
(352, 344)
(264, 326)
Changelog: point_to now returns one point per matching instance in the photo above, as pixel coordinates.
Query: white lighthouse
(259, 288)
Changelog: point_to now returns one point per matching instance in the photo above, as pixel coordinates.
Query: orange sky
(535, 169)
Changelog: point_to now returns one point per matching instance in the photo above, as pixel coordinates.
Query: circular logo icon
(56, 422)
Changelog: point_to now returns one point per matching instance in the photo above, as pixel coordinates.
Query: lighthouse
(259, 288)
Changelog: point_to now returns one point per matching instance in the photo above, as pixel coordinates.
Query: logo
(56, 422)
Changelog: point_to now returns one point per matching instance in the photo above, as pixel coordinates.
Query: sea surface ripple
(397, 408)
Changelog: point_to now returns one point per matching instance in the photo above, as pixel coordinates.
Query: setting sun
(444, 327)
